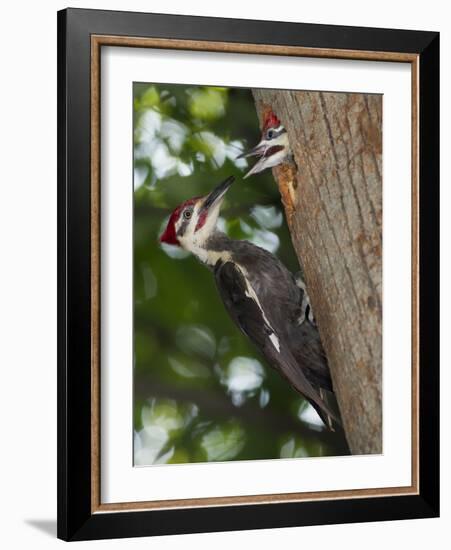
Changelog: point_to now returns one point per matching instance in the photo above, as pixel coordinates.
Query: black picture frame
(76, 521)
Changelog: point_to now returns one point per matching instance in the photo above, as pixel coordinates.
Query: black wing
(242, 308)
(308, 350)
(247, 313)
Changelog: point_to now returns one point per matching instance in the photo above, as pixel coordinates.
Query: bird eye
(270, 134)
(187, 214)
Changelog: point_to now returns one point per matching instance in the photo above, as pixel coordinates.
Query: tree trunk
(332, 195)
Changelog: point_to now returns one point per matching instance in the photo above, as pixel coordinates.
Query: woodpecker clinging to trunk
(273, 148)
(260, 294)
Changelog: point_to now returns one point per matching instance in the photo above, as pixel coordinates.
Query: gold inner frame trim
(97, 41)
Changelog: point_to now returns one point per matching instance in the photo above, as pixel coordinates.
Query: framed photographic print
(248, 274)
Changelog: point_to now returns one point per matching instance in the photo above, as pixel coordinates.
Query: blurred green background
(202, 392)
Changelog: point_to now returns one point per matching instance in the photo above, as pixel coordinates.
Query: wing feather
(243, 306)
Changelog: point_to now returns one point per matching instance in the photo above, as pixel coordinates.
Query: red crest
(270, 120)
(169, 235)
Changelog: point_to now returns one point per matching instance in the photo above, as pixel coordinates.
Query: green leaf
(150, 98)
(207, 104)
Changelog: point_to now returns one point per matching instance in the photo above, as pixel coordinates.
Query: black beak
(257, 151)
(218, 192)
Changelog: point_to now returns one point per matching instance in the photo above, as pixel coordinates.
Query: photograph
(225, 275)
(247, 325)
(247, 274)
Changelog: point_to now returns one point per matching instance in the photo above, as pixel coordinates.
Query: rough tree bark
(332, 195)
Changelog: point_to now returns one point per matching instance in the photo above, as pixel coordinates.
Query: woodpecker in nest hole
(273, 147)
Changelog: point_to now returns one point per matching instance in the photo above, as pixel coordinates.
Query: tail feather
(330, 415)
